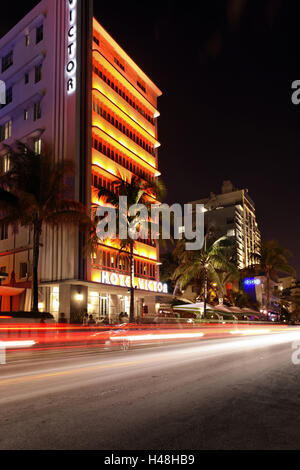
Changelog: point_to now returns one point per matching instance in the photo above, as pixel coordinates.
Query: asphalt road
(239, 393)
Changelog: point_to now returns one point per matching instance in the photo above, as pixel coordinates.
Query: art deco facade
(71, 86)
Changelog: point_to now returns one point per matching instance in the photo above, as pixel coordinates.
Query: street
(237, 393)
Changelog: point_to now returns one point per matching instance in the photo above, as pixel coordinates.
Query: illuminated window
(231, 233)
(5, 131)
(37, 112)
(54, 299)
(38, 146)
(27, 40)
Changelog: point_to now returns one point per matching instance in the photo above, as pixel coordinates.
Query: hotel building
(233, 214)
(70, 86)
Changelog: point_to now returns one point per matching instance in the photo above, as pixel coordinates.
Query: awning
(222, 308)
(10, 291)
(193, 307)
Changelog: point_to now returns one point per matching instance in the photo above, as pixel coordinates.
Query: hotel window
(5, 163)
(5, 131)
(37, 111)
(142, 86)
(25, 115)
(126, 97)
(27, 40)
(26, 78)
(119, 64)
(38, 146)
(4, 232)
(38, 73)
(23, 270)
(112, 261)
(7, 61)
(39, 33)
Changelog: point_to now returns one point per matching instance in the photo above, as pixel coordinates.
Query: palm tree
(273, 259)
(33, 194)
(137, 191)
(222, 278)
(204, 263)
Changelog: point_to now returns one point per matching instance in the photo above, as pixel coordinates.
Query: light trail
(72, 337)
(249, 332)
(16, 344)
(195, 352)
(154, 337)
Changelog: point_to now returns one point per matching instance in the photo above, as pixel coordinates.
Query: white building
(233, 214)
(60, 68)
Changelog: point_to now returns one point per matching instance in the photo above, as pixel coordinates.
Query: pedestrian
(85, 319)
(125, 317)
(62, 319)
(91, 320)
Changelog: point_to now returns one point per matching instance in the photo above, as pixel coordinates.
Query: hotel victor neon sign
(71, 39)
(120, 280)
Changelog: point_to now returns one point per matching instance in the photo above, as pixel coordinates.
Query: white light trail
(12, 344)
(249, 332)
(151, 337)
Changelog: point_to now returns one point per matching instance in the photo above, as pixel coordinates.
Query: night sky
(225, 68)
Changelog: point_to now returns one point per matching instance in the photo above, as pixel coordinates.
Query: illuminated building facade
(70, 85)
(233, 214)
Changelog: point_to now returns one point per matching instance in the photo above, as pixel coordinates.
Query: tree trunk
(35, 263)
(205, 291)
(268, 290)
(177, 288)
(131, 315)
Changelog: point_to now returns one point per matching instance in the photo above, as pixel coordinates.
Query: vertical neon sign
(71, 46)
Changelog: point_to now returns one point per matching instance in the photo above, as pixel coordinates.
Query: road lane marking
(66, 372)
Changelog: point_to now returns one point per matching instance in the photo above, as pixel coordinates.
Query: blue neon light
(252, 282)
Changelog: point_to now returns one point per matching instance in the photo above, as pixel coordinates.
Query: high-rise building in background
(70, 86)
(233, 214)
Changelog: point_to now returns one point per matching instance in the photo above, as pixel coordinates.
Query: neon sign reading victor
(71, 46)
(120, 280)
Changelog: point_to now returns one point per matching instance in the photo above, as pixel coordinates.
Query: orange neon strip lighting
(131, 122)
(124, 148)
(123, 79)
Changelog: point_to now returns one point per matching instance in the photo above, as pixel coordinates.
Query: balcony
(137, 152)
(117, 100)
(115, 73)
